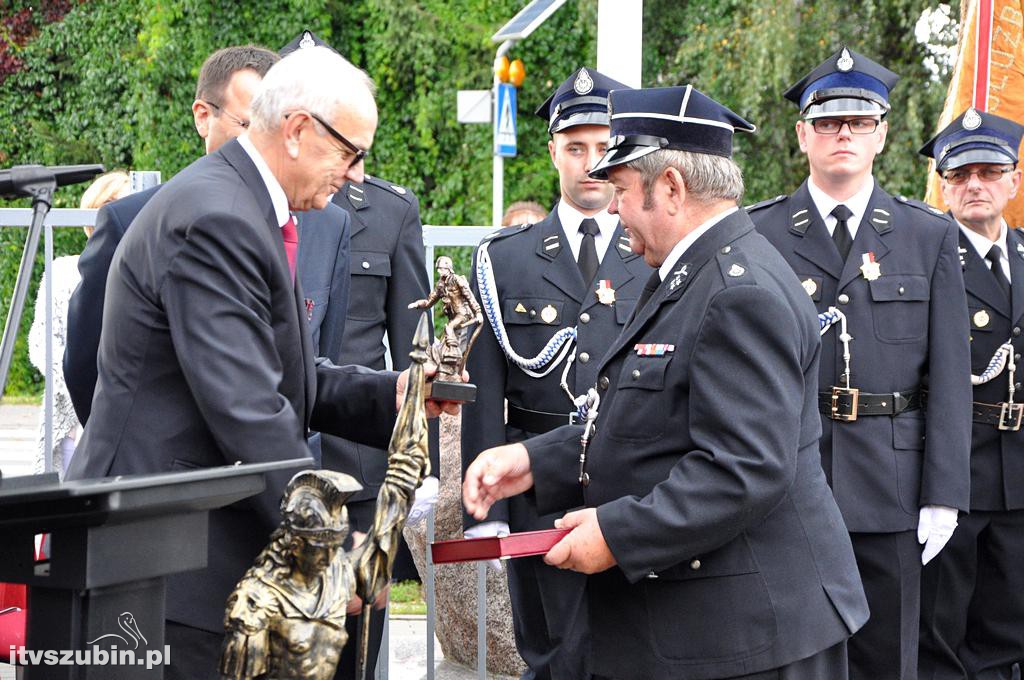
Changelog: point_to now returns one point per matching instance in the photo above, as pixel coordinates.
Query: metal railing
(434, 236)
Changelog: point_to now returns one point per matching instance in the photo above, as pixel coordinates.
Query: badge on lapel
(309, 308)
(605, 292)
(869, 268)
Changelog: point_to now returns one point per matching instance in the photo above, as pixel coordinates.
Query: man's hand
(419, 304)
(934, 528)
(434, 408)
(487, 530)
(495, 474)
(584, 549)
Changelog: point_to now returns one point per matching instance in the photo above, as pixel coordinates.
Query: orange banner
(989, 73)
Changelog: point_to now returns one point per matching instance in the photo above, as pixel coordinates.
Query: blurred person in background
(523, 212)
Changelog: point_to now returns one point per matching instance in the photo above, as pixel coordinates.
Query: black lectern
(112, 541)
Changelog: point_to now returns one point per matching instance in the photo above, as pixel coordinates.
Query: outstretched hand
(584, 548)
(496, 473)
(434, 408)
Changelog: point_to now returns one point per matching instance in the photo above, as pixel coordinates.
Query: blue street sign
(505, 121)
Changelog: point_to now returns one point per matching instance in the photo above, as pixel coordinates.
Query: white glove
(934, 528)
(425, 499)
(487, 530)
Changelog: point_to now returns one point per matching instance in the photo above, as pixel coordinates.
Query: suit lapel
(561, 270)
(978, 279)
(613, 267)
(874, 225)
(814, 242)
(1015, 248)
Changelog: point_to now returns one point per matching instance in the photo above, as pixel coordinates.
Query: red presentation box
(493, 547)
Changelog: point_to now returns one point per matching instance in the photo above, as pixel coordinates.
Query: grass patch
(407, 597)
(21, 400)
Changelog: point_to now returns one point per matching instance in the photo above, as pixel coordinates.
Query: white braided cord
(995, 365)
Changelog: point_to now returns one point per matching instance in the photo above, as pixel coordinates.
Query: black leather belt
(1004, 416)
(848, 404)
(538, 422)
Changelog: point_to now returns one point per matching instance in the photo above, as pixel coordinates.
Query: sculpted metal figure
(286, 617)
(462, 310)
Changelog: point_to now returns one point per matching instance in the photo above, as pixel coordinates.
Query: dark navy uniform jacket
(388, 272)
(908, 329)
(997, 457)
(323, 235)
(704, 469)
(534, 268)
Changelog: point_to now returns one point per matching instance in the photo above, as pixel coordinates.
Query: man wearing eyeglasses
(885, 277)
(972, 596)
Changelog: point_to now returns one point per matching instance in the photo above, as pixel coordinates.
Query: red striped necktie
(291, 243)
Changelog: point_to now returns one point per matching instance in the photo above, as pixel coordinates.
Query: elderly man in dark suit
(712, 541)
(205, 358)
(884, 272)
(224, 91)
(972, 593)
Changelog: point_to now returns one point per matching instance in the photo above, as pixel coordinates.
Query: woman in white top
(66, 428)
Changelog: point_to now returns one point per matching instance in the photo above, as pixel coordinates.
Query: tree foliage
(112, 81)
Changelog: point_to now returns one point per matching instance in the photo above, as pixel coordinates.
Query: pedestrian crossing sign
(505, 121)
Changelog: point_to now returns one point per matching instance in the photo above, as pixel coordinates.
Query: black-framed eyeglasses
(832, 126)
(244, 124)
(988, 173)
(360, 154)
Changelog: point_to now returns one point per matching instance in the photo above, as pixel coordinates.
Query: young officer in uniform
(884, 272)
(972, 596)
(713, 544)
(555, 294)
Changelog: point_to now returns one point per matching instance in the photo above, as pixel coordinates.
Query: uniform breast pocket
(370, 274)
(981, 319)
(900, 307)
(638, 412)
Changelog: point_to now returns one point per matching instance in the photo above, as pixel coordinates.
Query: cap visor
(618, 156)
(969, 156)
(843, 107)
(584, 118)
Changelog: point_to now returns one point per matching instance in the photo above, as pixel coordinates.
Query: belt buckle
(854, 394)
(1010, 416)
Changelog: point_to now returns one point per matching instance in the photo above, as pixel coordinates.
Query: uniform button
(1017, 386)
(636, 374)
(843, 299)
(585, 317)
(365, 265)
(603, 382)
(695, 565)
(901, 290)
(584, 357)
(1016, 357)
(1016, 330)
(726, 250)
(533, 313)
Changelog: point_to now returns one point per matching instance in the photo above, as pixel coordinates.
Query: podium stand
(112, 541)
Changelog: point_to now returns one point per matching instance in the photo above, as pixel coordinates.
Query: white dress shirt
(571, 218)
(982, 244)
(858, 205)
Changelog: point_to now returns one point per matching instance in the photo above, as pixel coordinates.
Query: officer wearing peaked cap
(885, 277)
(555, 294)
(972, 595)
(713, 544)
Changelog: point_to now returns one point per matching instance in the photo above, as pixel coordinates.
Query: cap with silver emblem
(683, 118)
(305, 39)
(975, 137)
(845, 84)
(580, 100)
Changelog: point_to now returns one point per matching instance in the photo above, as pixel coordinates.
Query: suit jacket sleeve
(483, 421)
(85, 310)
(332, 328)
(744, 455)
(946, 474)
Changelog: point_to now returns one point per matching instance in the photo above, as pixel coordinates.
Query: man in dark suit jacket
(713, 544)
(205, 358)
(972, 593)
(537, 285)
(885, 271)
(226, 84)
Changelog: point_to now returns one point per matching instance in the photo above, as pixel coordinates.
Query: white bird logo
(126, 622)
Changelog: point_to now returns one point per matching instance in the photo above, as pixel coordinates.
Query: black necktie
(587, 261)
(649, 288)
(841, 235)
(993, 257)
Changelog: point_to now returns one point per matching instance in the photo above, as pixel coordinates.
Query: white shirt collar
(982, 244)
(277, 195)
(570, 218)
(680, 248)
(858, 205)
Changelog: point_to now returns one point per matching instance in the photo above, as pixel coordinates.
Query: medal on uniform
(981, 318)
(309, 308)
(653, 349)
(870, 268)
(810, 286)
(605, 292)
(520, 308)
(548, 314)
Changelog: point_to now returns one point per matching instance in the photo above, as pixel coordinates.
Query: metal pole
(481, 620)
(431, 599)
(48, 350)
(498, 183)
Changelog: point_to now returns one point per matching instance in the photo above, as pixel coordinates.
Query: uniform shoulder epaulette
(734, 267)
(920, 205)
(507, 231)
(388, 187)
(766, 203)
